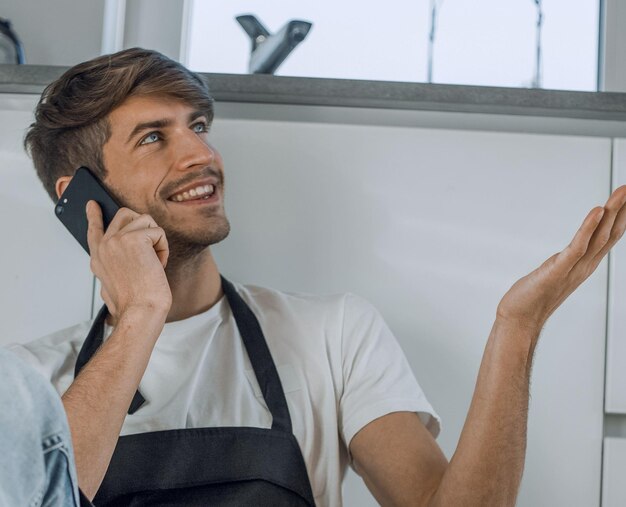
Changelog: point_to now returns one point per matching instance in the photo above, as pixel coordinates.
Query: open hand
(533, 298)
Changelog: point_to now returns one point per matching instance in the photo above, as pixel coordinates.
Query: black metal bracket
(270, 50)
(7, 30)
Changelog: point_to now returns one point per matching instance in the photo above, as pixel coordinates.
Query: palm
(533, 298)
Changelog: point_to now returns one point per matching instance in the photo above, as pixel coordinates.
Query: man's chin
(185, 244)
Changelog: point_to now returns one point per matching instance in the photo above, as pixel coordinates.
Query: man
(209, 382)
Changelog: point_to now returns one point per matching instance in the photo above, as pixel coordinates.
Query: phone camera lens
(59, 209)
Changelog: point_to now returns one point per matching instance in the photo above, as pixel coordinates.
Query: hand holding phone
(129, 251)
(70, 208)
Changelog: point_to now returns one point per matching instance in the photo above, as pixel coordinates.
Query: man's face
(159, 161)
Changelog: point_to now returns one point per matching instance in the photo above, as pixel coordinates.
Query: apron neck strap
(260, 358)
(253, 340)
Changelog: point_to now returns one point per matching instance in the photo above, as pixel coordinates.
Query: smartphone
(70, 208)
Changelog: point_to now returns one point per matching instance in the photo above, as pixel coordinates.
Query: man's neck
(195, 284)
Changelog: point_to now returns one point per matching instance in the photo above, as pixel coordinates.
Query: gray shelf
(345, 93)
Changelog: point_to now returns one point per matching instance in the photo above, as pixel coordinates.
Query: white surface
(433, 227)
(46, 282)
(154, 24)
(613, 483)
(615, 402)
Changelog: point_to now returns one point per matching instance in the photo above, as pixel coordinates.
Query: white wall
(433, 226)
(46, 282)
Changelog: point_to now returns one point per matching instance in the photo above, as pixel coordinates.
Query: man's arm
(402, 465)
(128, 260)
(397, 457)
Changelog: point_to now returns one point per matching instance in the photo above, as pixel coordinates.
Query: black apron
(224, 466)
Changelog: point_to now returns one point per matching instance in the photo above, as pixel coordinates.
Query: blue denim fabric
(36, 461)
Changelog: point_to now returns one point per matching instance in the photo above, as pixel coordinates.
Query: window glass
(478, 42)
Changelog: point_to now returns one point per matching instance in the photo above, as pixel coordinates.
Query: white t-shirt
(339, 365)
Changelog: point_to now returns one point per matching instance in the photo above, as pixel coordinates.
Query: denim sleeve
(36, 460)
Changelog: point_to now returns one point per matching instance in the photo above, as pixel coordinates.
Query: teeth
(194, 193)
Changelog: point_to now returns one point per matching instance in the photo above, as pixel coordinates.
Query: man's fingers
(619, 225)
(156, 236)
(95, 228)
(579, 246)
(140, 222)
(122, 218)
(602, 235)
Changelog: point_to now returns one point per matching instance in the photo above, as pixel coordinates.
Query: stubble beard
(185, 247)
(189, 245)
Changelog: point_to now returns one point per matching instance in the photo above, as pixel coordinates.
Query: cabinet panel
(616, 333)
(433, 227)
(46, 282)
(613, 484)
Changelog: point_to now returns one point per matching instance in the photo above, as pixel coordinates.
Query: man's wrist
(147, 319)
(516, 339)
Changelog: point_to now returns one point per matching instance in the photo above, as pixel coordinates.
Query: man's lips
(196, 190)
(201, 200)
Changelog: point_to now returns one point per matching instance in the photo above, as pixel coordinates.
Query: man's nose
(191, 150)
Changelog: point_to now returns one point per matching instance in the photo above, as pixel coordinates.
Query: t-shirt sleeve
(55, 361)
(377, 378)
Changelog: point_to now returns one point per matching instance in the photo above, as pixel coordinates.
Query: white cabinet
(433, 226)
(613, 484)
(46, 282)
(616, 333)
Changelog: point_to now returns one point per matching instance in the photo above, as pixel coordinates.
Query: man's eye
(200, 127)
(150, 138)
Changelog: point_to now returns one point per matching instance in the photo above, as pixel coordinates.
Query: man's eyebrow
(159, 124)
(196, 114)
(156, 124)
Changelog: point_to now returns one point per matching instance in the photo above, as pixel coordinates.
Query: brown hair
(71, 119)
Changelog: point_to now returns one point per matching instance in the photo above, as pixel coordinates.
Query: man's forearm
(487, 466)
(97, 401)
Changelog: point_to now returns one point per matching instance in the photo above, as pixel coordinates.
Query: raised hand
(533, 298)
(129, 260)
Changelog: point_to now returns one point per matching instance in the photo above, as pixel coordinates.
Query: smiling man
(188, 389)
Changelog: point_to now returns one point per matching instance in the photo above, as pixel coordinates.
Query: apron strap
(253, 340)
(91, 344)
(260, 358)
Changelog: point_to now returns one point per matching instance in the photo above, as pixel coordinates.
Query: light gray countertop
(263, 89)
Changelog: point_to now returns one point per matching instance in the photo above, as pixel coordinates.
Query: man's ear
(62, 184)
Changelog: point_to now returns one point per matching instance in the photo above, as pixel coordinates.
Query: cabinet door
(46, 281)
(615, 402)
(433, 227)
(613, 484)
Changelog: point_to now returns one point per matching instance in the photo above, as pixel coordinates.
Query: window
(482, 42)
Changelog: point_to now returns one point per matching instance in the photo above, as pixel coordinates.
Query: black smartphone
(70, 208)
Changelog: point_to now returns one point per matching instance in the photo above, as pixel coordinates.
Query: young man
(226, 394)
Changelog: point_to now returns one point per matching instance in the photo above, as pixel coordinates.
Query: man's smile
(197, 192)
